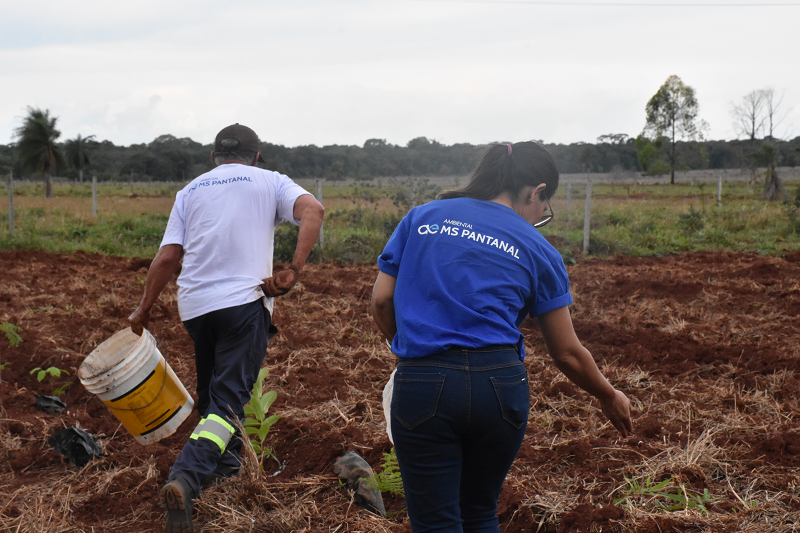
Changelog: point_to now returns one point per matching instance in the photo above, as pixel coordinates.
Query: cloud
(341, 72)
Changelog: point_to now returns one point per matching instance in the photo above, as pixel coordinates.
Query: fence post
(719, 190)
(318, 184)
(94, 196)
(11, 203)
(587, 215)
(569, 194)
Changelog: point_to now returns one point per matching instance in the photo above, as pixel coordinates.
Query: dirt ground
(706, 345)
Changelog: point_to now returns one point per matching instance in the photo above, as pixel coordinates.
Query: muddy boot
(177, 496)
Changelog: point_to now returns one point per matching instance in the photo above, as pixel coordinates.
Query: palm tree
(37, 147)
(76, 152)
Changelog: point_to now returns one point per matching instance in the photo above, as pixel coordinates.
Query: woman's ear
(530, 194)
(539, 190)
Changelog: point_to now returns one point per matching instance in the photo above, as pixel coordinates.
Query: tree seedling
(52, 373)
(12, 333)
(389, 479)
(257, 424)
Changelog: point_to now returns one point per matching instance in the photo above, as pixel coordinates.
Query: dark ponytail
(509, 168)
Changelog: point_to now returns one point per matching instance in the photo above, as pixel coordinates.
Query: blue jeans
(458, 420)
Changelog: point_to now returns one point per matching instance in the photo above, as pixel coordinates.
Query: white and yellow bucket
(130, 376)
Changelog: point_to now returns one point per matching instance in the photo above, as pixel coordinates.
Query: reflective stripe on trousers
(215, 429)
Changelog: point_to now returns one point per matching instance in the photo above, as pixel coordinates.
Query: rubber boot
(178, 499)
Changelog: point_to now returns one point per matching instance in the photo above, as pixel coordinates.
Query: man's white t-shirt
(225, 220)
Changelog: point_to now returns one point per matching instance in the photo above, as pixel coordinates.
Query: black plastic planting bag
(49, 404)
(78, 446)
(361, 480)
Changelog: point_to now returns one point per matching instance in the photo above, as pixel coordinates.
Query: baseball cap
(247, 140)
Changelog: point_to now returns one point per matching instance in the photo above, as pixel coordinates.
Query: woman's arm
(575, 361)
(383, 304)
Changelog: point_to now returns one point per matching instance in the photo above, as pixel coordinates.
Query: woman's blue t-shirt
(468, 272)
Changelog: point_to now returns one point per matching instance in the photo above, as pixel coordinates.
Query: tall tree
(37, 149)
(748, 115)
(672, 113)
(748, 121)
(768, 155)
(772, 104)
(76, 153)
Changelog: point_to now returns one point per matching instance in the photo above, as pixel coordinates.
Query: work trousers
(230, 345)
(458, 420)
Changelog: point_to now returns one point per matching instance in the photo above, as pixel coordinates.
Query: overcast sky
(340, 72)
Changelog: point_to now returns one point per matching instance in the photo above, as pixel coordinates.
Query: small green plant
(647, 489)
(748, 506)
(388, 479)
(682, 498)
(257, 424)
(52, 373)
(12, 333)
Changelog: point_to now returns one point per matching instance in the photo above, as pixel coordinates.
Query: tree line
(672, 140)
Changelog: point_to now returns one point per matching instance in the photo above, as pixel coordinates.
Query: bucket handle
(163, 382)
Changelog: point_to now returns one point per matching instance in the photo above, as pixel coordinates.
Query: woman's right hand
(575, 361)
(618, 411)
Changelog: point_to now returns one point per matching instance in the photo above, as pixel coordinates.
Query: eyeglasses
(545, 218)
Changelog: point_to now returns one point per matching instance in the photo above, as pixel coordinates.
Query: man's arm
(310, 214)
(575, 361)
(163, 267)
(383, 304)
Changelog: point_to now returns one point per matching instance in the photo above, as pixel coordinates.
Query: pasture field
(629, 217)
(706, 345)
(689, 308)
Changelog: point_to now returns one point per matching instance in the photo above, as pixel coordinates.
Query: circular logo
(428, 228)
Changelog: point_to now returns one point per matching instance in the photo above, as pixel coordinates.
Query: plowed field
(706, 345)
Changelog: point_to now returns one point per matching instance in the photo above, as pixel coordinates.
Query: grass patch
(629, 219)
(661, 219)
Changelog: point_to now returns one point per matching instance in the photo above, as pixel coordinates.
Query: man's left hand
(139, 320)
(282, 282)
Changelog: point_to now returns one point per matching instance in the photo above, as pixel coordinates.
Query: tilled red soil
(706, 345)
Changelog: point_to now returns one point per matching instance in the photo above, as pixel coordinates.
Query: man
(222, 226)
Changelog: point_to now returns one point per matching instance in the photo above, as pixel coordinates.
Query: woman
(456, 279)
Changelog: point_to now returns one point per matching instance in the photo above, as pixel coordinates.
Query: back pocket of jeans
(416, 396)
(514, 397)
